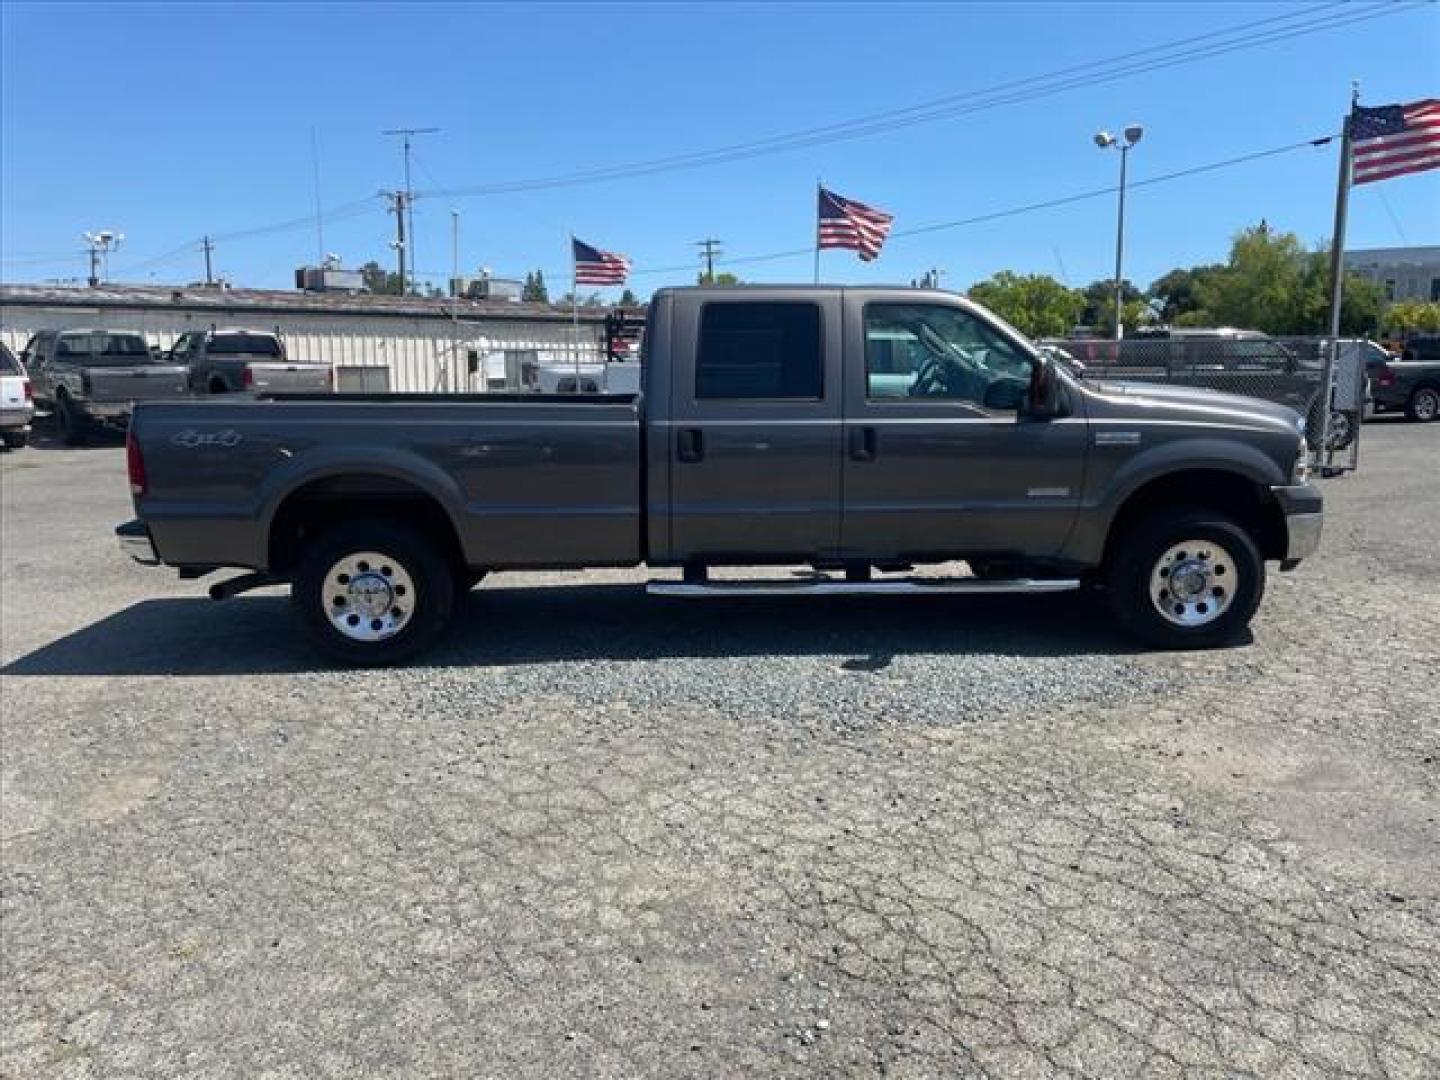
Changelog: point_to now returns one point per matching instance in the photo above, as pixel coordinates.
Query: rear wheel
(1186, 578)
(14, 440)
(374, 592)
(1424, 405)
(71, 424)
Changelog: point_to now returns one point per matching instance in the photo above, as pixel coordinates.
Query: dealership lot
(600, 834)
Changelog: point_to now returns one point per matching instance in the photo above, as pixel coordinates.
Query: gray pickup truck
(857, 431)
(238, 361)
(89, 379)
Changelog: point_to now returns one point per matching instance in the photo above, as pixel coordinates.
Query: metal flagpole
(1337, 274)
(1342, 207)
(575, 307)
(819, 194)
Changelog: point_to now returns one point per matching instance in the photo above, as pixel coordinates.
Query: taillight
(247, 377)
(29, 391)
(134, 464)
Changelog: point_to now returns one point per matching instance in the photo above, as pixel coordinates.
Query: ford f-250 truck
(859, 431)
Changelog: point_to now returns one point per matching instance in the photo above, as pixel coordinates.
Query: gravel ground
(606, 835)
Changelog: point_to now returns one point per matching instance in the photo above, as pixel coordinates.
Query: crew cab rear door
(755, 425)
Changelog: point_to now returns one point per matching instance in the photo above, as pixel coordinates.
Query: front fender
(1109, 486)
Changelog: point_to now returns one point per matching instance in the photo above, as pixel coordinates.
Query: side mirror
(1044, 400)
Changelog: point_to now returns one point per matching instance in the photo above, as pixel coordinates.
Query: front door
(755, 429)
(940, 462)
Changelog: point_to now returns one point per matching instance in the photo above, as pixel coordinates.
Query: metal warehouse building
(372, 342)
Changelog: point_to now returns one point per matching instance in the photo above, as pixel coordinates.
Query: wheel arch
(320, 501)
(1236, 494)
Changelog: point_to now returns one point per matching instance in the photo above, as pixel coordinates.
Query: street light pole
(1106, 141)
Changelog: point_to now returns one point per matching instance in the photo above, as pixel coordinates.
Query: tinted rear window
(8, 364)
(103, 348)
(246, 344)
(759, 350)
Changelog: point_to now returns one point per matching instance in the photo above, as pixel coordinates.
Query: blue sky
(170, 121)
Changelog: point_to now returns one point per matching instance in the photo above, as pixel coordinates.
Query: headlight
(1300, 471)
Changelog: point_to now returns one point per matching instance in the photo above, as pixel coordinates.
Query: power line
(1237, 38)
(1028, 208)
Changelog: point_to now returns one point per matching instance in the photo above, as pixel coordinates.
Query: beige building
(372, 342)
(1404, 273)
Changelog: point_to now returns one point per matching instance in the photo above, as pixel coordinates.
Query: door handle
(862, 444)
(689, 444)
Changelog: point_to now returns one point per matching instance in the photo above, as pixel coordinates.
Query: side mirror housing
(1045, 399)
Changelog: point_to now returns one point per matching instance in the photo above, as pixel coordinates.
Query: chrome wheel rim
(1427, 404)
(368, 596)
(1193, 583)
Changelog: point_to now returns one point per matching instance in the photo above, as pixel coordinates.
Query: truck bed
(527, 480)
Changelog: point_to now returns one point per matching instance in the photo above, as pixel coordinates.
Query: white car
(17, 403)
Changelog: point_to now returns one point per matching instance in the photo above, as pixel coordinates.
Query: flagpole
(1342, 209)
(819, 188)
(575, 307)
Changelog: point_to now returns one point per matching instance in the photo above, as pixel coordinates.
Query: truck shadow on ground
(616, 622)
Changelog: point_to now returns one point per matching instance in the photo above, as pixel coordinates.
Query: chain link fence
(1322, 379)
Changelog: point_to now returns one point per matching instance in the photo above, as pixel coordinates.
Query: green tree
(1099, 310)
(1177, 293)
(628, 299)
(1036, 303)
(379, 280)
(722, 278)
(534, 290)
(1410, 316)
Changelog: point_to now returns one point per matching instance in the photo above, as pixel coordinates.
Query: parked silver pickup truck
(231, 361)
(90, 378)
(859, 431)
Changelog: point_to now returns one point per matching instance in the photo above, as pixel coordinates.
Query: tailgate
(275, 377)
(140, 382)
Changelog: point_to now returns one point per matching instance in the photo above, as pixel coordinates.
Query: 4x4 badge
(190, 438)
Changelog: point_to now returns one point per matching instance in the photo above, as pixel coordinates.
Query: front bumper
(134, 540)
(1304, 510)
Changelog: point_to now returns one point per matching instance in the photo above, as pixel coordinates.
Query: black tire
(72, 425)
(1135, 561)
(219, 386)
(431, 597)
(14, 440)
(1424, 405)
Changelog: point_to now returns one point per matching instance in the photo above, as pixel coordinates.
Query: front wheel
(374, 592)
(1185, 579)
(14, 440)
(1424, 405)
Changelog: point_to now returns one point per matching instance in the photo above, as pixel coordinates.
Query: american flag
(1392, 140)
(845, 223)
(596, 267)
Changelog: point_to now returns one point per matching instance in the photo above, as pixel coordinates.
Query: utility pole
(209, 246)
(709, 247)
(101, 244)
(406, 135)
(397, 207)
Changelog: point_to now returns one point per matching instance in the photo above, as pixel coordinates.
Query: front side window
(930, 352)
(759, 350)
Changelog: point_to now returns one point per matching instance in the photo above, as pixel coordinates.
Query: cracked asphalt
(606, 835)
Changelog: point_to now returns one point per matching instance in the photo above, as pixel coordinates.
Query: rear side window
(759, 350)
(244, 344)
(102, 345)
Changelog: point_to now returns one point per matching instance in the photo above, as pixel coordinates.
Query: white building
(1404, 273)
(373, 342)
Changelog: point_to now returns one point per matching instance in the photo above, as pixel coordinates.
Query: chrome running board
(839, 587)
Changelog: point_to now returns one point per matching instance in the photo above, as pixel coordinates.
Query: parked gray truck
(857, 431)
(244, 361)
(89, 379)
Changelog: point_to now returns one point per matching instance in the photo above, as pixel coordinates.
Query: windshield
(104, 349)
(246, 344)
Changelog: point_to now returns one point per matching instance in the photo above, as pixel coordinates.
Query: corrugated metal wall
(420, 354)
